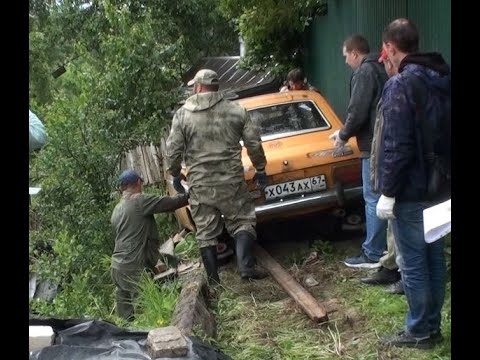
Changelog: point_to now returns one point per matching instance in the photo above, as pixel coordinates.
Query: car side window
(288, 118)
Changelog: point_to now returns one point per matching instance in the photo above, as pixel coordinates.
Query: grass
(258, 320)
(155, 303)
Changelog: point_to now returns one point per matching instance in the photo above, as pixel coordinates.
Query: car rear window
(289, 118)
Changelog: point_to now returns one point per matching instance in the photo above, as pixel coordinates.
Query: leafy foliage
(123, 63)
(188, 248)
(272, 30)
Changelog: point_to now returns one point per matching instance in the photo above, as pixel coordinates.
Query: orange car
(306, 172)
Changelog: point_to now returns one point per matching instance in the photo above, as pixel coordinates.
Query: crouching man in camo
(206, 132)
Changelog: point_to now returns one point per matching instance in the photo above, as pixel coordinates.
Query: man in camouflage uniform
(206, 132)
(136, 237)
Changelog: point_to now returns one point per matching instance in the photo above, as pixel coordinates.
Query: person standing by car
(418, 96)
(136, 237)
(206, 133)
(366, 87)
(388, 273)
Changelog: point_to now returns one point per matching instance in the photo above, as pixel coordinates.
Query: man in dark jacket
(366, 87)
(136, 237)
(418, 92)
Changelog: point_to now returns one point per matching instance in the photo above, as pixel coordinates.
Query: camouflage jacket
(375, 151)
(206, 133)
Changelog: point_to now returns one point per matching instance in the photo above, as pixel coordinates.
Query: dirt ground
(292, 244)
(312, 250)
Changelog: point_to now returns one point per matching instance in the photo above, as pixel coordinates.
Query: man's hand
(260, 179)
(177, 184)
(336, 139)
(385, 207)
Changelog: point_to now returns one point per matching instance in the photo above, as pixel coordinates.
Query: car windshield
(289, 118)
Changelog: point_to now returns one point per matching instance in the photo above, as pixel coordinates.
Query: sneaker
(383, 276)
(361, 261)
(396, 288)
(404, 339)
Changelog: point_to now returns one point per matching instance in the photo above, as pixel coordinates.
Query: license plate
(302, 186)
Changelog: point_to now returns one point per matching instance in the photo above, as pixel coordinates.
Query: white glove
(385, 207)
(336, 139)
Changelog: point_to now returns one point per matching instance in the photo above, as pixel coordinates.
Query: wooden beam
(307, 302)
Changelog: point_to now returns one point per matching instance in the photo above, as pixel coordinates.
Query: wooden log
(191, 309)
(307, 302)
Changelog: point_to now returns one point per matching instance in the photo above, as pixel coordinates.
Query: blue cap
(128, 177)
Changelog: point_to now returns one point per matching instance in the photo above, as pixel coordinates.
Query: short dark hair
(357, 42)
(403, 33)
(296, 75)
(213, 87)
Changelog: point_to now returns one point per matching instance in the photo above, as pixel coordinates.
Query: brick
(39, 337)
(167, 342)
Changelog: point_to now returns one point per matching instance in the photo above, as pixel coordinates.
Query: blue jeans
(423, 270)
(376, 240)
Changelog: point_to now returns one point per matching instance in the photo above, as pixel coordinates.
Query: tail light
(350, 175)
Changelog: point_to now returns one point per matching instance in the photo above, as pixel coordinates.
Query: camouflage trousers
(209, 203)
(389, 260)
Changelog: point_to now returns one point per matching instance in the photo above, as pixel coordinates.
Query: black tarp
(77, 339)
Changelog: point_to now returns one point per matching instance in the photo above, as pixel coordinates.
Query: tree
(272, 30)
(124, 61)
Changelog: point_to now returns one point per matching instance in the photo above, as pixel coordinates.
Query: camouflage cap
(205, 77)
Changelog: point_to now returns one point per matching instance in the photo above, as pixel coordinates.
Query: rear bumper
(333, 197)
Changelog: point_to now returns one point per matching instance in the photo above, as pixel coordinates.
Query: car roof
(279, 97)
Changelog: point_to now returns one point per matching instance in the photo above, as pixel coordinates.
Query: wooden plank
(155, 164)
(147, 176)
(146, 161)
(134, 161)
(307, 302)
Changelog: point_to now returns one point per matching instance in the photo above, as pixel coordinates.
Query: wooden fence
(146, 160)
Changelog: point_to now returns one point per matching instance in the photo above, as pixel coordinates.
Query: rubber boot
(209, 259)
(246, 263)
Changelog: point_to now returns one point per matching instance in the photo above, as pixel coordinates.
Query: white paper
(437, 221)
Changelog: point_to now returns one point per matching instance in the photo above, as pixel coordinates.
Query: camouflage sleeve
(253, 143)
(153, 204)
(175, 147)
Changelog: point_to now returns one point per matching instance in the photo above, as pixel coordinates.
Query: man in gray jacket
(366, 87)
(206, 133)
